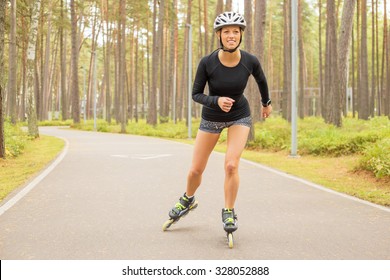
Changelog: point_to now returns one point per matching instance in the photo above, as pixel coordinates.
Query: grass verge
(15, 172)
(336, 173)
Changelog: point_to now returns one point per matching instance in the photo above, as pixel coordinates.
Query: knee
(231, 167)
(195, 172)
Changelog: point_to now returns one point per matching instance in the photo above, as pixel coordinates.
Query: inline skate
(229, 220)
(181, 209)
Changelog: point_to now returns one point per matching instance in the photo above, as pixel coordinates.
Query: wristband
(266, 104)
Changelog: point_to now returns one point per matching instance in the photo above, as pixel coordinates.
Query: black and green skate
(229, 220)
(181, 209)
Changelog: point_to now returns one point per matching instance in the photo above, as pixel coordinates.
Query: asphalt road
(107, 196)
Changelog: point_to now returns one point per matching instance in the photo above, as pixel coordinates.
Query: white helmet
(229, 18)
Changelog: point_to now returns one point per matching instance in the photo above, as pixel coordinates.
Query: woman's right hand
(225, 103)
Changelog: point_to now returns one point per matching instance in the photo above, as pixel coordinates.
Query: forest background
(134, 55)
(126, 62)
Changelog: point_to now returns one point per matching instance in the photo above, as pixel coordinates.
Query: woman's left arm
(261, 81)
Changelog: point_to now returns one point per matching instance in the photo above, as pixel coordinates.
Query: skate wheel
(167, 224)
(230, 240)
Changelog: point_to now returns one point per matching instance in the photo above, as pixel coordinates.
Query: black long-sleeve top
(227, 82)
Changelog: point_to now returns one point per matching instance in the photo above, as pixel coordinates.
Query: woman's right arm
(199, 85)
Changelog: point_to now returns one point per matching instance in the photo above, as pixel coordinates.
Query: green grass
(16, 171)
(337, 173)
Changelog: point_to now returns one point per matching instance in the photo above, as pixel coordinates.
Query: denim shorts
(217, 127)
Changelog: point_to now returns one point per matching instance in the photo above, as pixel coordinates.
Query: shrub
(376, 158)
(15, 139)
(273, 134)
(68, 122)
(335, 142)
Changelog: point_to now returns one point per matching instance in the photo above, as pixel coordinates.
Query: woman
(226, 71)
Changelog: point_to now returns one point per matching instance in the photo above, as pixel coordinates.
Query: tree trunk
(152, 110)
(122, 64)
(200, 36)
(259, 45)
(363, 84)
(143, 88)
(387, 97)
(136, 74)
(270, 60)
(52, 104)
(183, 93)
(38, 78)
(117, 98)
(40, 62)
(321, 77)
(24, 42)
(130, 73)
(248, 41)
(383, 66)
(107, 60)
(187, 96)
(162, 69)
(148, 74)
(32, 114)
(2, 24)
(218, 11)
(373, 76)
(302, 64)
(356, 63)
(379, 103)
(12, 90)
(228, 5)
(344, 45)
(131, 70)
(46, 70)
(173, 59)
(286, 97)
(64, 110)
(90, 93)
(206, 26)
(75, 65)
(331, 81)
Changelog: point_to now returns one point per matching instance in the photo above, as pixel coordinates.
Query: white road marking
(36, 180)
(143, 156)
(120, 156)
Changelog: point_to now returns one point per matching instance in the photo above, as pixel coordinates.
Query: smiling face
(230, 36)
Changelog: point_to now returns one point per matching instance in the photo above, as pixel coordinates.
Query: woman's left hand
(266, 111)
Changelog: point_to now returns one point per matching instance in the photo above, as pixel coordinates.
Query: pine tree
(31, 110)
(2, 23)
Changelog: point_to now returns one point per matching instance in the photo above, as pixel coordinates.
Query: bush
(15, 139)
(315, 137)
(335, 142)
(376, 158)
(68, 122)
(272, 134)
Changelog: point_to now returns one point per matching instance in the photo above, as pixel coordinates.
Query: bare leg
(236, 141)
(204, 145)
